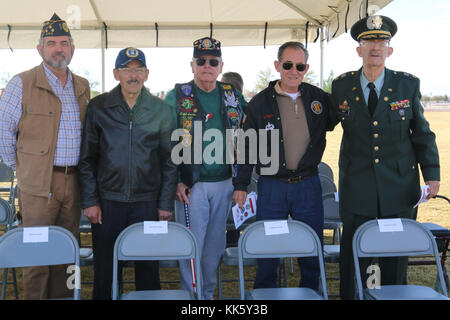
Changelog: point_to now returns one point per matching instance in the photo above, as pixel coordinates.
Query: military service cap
(374, 27)
(205, 46)
(129, 54)
(55, 27)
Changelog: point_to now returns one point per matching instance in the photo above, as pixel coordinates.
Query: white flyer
(248, 210)
(425, 191)
(35, 234)
(276, 227)
(155, 227)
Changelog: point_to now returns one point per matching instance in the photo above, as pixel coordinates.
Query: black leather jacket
(263, 110)
(125, 153)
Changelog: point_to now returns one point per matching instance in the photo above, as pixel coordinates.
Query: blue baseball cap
(129, 54)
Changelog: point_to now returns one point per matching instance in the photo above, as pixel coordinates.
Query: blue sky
(421, 47)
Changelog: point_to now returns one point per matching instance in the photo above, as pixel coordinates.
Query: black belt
(65, 169)
(295, 179)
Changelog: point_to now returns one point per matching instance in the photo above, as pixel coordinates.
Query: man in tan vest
(41, 117)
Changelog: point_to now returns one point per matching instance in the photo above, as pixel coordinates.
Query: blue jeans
(303, 201)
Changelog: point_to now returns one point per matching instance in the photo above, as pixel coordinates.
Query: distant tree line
(438, 98)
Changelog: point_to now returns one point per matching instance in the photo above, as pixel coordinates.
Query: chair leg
(219, 282)
(16, 291)
(5, 278)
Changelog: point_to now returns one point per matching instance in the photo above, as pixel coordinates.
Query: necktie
(373, 98)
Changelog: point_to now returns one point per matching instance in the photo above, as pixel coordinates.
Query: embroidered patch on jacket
(186, 89)
(316, 107)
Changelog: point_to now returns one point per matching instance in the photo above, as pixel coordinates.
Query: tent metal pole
(103, 59)
(322, 39)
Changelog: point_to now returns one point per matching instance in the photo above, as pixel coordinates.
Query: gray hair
(295, 45)
(235, 79)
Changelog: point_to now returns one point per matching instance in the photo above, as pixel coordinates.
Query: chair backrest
(331, 208)
(414, 240)
(61, 248)
(177, 244)
(301, 241)
(5, 213)
(6, 173)
(327, 185)
(325, 170)
(253, 186)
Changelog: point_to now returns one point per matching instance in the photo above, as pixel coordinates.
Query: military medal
(400, 104)
(344, 108)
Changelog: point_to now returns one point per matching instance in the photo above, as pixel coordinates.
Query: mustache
(131, 81)
(59, 54)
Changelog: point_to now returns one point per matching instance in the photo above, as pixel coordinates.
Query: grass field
(436, 211)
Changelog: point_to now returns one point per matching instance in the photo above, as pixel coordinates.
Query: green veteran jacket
(379, 155)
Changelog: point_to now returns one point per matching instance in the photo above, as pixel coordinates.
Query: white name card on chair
(35, 234)
(155, 227)
(390, 225)
(276, 227)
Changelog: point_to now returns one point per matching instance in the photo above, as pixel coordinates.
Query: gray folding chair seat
(414, 240)
(61, 248)
(133, 244)
(331, 253)
(283, 294)
(409, 292)
(301, 241)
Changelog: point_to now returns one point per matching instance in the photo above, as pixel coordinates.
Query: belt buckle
(294, 179)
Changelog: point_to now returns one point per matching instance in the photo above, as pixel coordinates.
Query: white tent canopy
(177, 23)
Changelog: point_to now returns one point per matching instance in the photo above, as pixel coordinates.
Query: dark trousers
(392, 270)
(116, 216)
(303, 201)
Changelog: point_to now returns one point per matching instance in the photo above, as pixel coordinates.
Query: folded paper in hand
(248, 210)
(423, 197)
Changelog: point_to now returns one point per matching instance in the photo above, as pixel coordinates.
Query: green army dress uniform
(379, 156)
(380, 153)
(379, 160)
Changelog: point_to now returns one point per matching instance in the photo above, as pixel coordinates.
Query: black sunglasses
(300, 66)
(212, 62)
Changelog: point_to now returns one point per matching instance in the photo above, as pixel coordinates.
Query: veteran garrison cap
(206, 46)
(129, 54)
(55, 27)
(374, 27)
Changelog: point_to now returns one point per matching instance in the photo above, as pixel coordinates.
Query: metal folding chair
(325, 170)
(6, 220)
(301, 241)
(414, 240)
(178, 243)
(61, 248)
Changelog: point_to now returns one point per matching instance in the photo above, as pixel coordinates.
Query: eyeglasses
(139, 71)
(212, 62)
(373, 43)
(299, 66)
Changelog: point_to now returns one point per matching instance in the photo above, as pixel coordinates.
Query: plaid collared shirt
(69, 135)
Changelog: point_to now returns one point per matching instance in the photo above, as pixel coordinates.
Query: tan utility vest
(38, 129)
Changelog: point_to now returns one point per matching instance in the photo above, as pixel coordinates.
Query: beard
(58, 64)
